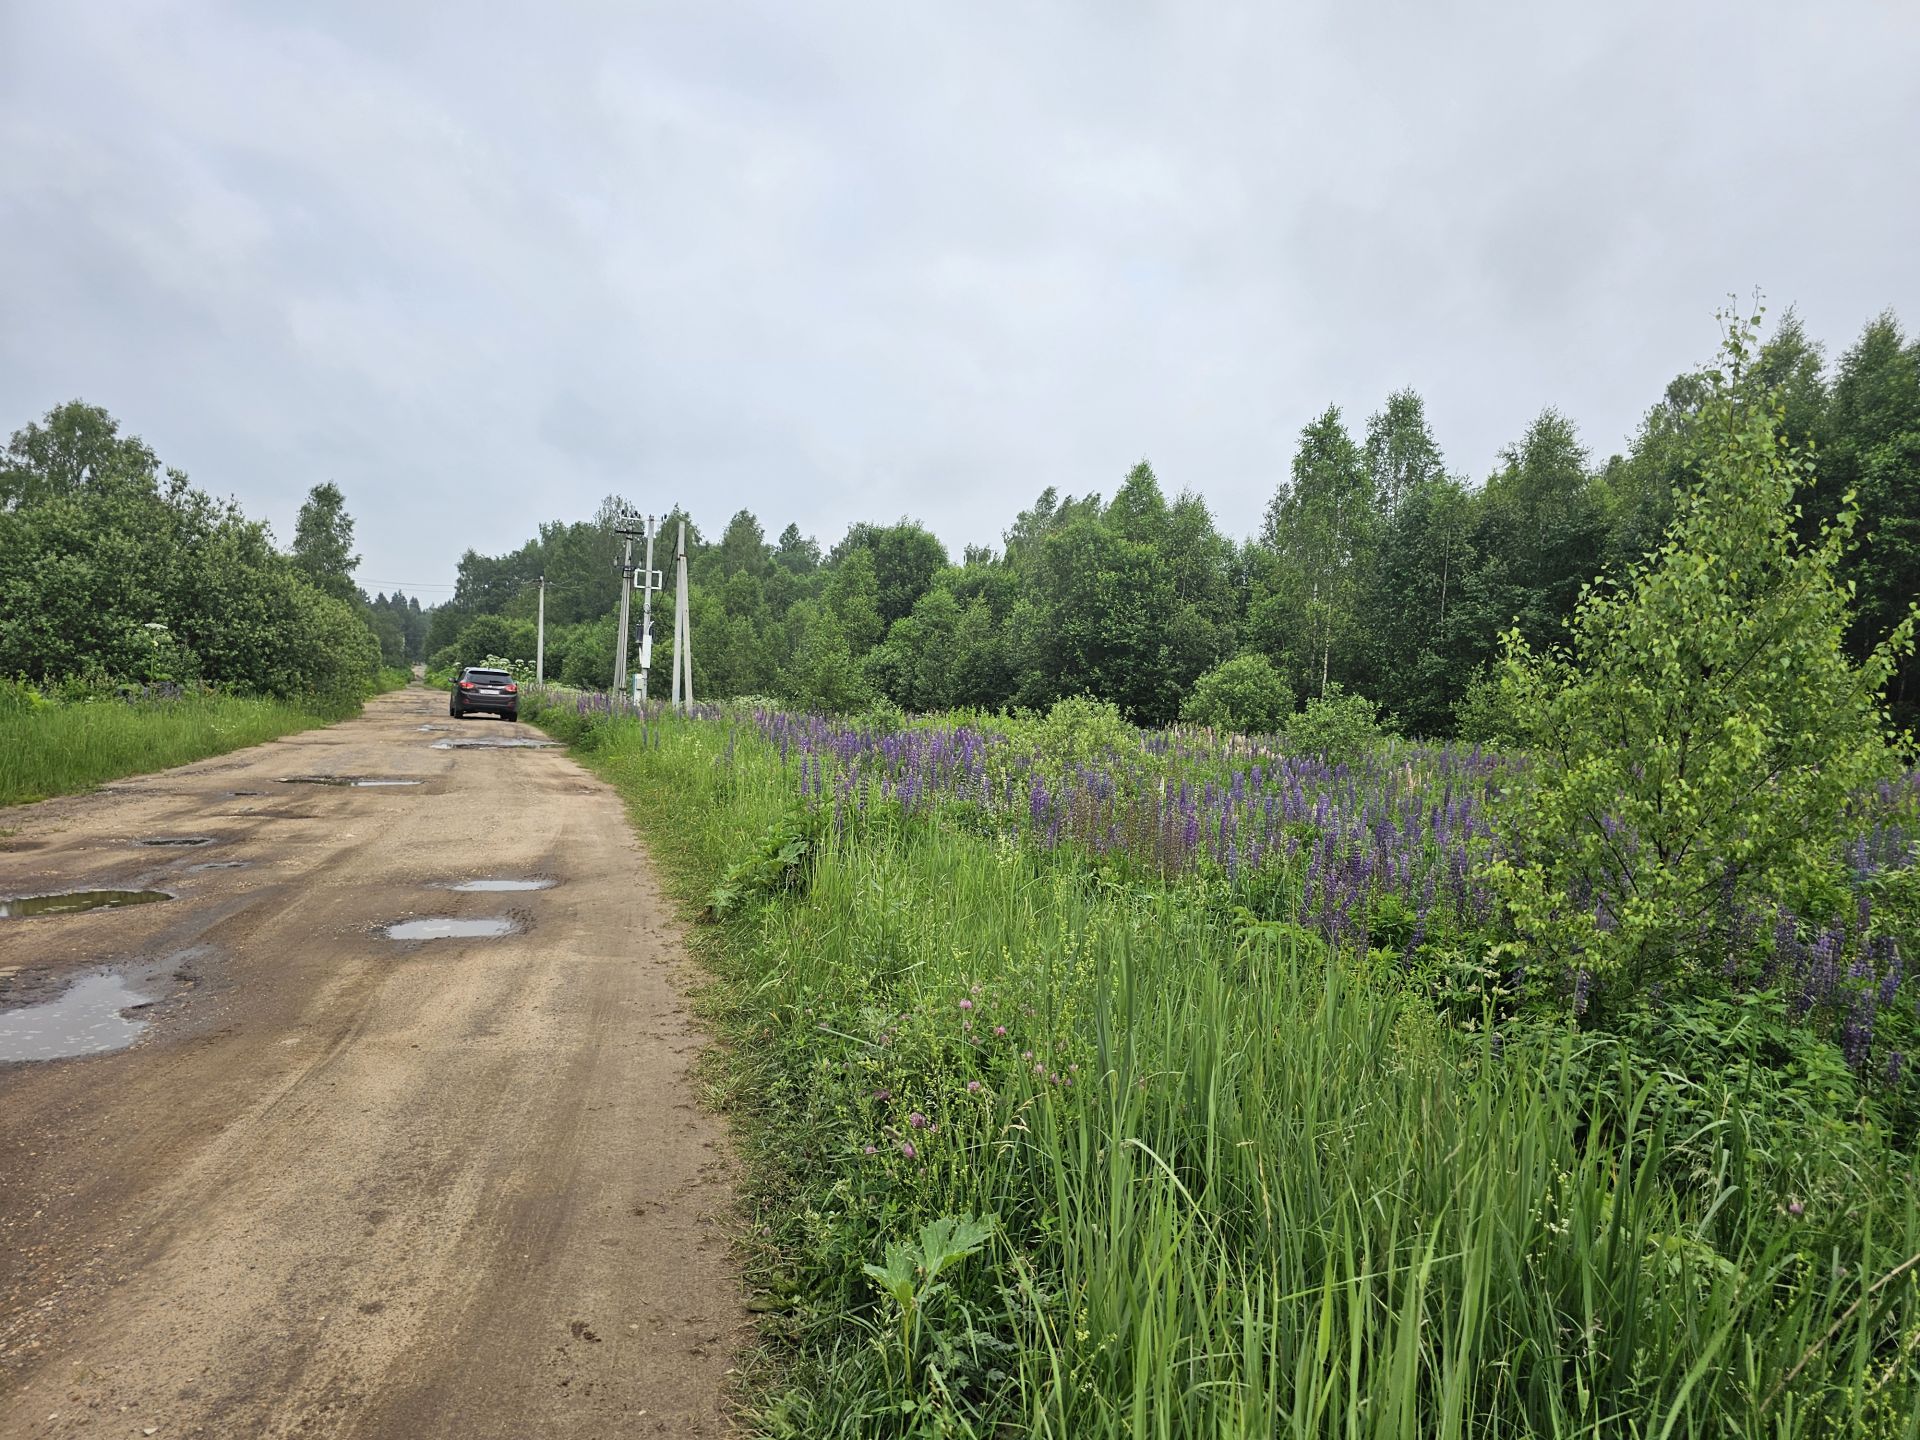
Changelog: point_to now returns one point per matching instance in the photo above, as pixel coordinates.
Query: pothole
(514, 744)
(490, 887)
(176, 840)
(444, 927)
(85, 1019)
(75, 902)
(220, 865)
(357, 782)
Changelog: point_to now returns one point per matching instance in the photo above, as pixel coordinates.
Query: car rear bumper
(501, 704)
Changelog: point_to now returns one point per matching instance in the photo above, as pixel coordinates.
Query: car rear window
(489, 677)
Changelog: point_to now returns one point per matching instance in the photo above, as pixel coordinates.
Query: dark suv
(491, 691)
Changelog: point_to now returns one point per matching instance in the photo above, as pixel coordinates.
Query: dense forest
(116, 572)
(1379, 568)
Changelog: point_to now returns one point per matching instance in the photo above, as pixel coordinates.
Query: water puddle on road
(489, 887)
(220, 865)
(176, 840)
(443, 927)
(494, 745)
(85, 1020)
(355, 782)
(75, 902)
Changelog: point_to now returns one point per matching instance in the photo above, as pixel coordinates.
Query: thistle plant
(911, 1275)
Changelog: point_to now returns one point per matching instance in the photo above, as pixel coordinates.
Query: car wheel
(456, 712)
(511, 717)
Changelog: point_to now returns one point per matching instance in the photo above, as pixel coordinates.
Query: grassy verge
(60, 749)
(1038, 1151)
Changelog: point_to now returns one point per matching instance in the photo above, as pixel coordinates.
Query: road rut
(348, 1186)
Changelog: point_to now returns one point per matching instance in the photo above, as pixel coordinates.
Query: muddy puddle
(85, 1019)
(354, 782)
(75, 902)
(176, 840)
(495, 887)
(221, 865)
(444, 927)
(510, 744)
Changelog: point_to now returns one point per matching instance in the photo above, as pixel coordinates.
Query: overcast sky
(481, 265)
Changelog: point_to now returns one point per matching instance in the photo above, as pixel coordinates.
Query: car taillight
(466, 684)
(513, 689)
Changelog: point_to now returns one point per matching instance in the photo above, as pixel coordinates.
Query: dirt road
(344, 1185)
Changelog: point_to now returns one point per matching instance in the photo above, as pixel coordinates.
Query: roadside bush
(17, 698)
(1702, 746)
(1245, 694)
(111, 567)
(1484, 715)
(1075, 731)
(497, 636)
(1336, 725)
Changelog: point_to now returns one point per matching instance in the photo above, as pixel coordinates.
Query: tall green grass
(58, 749)
(1239, 1186)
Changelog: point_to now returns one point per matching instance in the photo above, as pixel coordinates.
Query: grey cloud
(481, 265)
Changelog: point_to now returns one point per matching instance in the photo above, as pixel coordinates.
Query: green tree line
(1379, 569)
(114, 569)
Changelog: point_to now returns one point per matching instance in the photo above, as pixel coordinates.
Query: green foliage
(323, 543)
(1337, 725)
(1485, 714)
(778, 864)
(51, 747)
(108, 567)
(1700, 744)
(824, 676)
(1238, 1176)
(910, 1278)
(1320, 530)
(1075, 731)
(1245, 693)
(494, 635)
(1376, 569)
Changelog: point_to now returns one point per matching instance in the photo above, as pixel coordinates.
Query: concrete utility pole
(682, 630)
(626, 590)
(646, 615)
(540, 638)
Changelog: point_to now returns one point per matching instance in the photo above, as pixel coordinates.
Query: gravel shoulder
(348, 1186)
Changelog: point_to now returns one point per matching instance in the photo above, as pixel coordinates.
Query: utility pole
(540, 638)
(646, 616)
(626, 591)
(682, 630)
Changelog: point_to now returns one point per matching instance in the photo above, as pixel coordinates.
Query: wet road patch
(354, 782)
(221, 865)
(176, 840)
(511, 744)
(491, 887)
(86, 1019)
(75, 902)
(446, 927)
